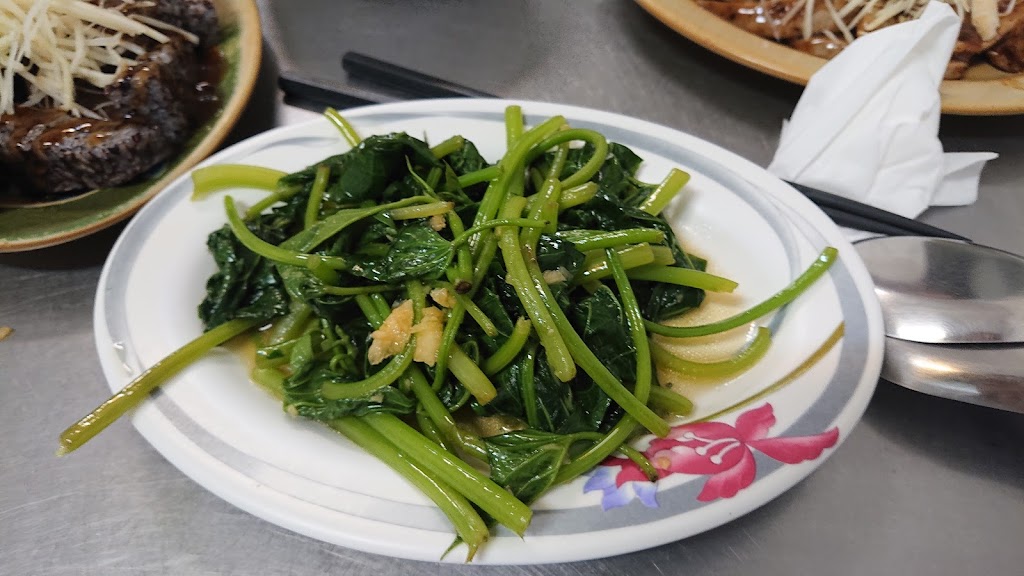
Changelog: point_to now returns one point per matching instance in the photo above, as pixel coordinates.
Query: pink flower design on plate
(723, 452)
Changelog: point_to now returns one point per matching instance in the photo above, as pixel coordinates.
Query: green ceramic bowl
(38, 226)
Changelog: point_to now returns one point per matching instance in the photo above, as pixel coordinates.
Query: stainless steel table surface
(922, 485)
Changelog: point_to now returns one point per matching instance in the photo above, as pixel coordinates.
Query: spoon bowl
(940, 291)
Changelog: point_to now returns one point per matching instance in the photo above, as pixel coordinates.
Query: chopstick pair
(415, 85)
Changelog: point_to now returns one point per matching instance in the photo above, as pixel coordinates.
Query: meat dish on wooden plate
(992, 31)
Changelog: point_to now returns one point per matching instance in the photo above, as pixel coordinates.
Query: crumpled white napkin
(866, 126)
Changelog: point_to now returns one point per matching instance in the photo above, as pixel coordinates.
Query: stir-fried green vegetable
(404, 289)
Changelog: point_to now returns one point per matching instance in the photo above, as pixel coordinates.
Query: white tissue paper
(866, 126)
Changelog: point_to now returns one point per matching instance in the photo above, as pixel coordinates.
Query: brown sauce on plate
(206, 100)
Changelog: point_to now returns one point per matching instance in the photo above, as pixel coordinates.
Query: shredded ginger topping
(54, 44)
(870, 15)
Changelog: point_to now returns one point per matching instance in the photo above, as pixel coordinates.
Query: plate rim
(996, 97)
(250, 40)
(848, 415)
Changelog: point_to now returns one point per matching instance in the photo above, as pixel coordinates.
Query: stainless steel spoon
(987, 375)
(954, 317)
(942, 291)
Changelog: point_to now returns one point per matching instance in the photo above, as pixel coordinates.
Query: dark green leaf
(451, 191)
(247, 285)
(601, 323)
(553, 254)
(627, 160)
(364, 172)
(526, 462)
(466, 160)
(591, 412)
(374, 164)
(509, 382)
(491, 305)
(417, 251)
(387, 400)
(561, 407)
(664, 301)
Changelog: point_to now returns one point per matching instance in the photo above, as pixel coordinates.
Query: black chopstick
(870, 219)
(413, 84)
(313, 92)
(422, 85)
(856, 222)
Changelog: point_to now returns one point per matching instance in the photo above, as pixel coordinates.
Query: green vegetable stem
(138, 389)
(816, 270)
(519, 277)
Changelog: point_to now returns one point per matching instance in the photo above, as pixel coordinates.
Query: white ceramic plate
(234, 439)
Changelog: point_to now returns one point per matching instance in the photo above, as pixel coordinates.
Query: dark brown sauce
(820, 46)
(756, 13)
(23, 121)
(96, 129)
(207, 100)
